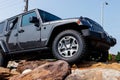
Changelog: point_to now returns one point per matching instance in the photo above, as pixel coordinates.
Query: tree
(118, 57)
(110, 57)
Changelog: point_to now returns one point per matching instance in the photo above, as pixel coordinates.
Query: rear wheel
(3, 62)
(69, 45)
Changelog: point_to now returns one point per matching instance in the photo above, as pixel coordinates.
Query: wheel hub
(68, 46)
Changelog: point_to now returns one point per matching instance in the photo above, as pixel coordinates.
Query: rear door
(29, 34)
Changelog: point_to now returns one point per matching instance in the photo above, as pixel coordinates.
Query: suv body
(69, 39)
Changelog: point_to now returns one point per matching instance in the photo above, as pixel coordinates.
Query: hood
(69, 20)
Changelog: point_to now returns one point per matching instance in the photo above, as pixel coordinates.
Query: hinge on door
(39, 28)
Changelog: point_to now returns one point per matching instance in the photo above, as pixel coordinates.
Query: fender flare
(84, 30)
(56, 26)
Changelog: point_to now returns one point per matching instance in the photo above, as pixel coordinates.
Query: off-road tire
(79, 40)
(100, 56)
(104, 57)
(3, 62)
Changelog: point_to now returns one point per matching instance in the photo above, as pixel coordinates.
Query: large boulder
(50, 71)
(6, 73)
(94, 74)
(23, 65)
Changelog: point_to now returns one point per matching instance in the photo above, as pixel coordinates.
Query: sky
(70, 9)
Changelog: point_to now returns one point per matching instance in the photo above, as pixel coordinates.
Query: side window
(2, 27)
(25, 18)
(12, 24)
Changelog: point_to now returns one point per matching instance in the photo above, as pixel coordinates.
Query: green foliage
(110, 57)
(118, 56)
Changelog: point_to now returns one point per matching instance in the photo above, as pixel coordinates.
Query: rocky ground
(51, 69)
(60, 70)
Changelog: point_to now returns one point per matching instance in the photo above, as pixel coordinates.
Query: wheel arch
(60, 28)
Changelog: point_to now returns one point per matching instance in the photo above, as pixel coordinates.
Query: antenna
(26, 6)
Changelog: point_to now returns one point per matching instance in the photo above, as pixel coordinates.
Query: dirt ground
(88, 65)
(112, 64)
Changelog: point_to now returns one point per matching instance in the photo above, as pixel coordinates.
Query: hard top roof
(20, 14)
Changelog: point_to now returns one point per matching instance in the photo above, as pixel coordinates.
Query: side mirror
(33, 20)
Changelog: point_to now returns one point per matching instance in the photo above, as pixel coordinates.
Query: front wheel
(69, 45)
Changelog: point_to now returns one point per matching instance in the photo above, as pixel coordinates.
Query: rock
(94, 74)
(4, 73)
(4, 70)
(12, 64)
(23, 65)
(50, 71)
(86, 65)
(14, 72)
(26, 71)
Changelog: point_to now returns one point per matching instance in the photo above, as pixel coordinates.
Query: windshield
(46, 17)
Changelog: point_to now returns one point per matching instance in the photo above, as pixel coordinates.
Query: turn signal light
(78, 22)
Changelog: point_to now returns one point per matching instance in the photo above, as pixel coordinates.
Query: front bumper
(100, 36)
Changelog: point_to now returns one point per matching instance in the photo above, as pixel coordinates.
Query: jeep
(69, 39)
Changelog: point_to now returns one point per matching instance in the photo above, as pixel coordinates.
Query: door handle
(38, 29)
(21, 31)
(16, 35)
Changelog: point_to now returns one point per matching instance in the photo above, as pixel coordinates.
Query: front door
(29, 35)
(11, 34)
